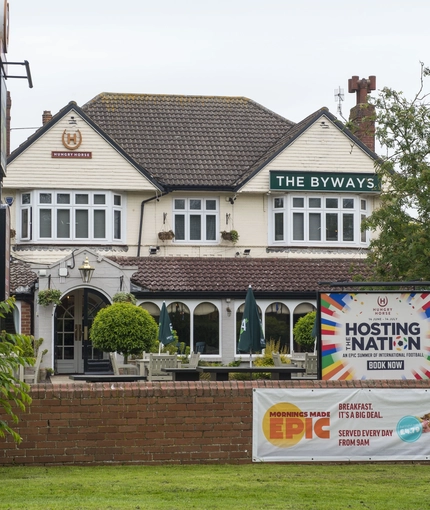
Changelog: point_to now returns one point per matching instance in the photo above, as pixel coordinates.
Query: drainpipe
(142, 207)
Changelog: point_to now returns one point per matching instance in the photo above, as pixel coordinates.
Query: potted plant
(232, 236)
(166, 235)
(124, 297)
(49, 296)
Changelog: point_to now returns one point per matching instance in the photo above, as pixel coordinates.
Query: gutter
(142, 207)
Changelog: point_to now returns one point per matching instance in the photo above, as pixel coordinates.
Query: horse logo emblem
(72, 141)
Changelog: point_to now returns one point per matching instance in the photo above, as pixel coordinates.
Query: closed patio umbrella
(251, 337)
(165, 332)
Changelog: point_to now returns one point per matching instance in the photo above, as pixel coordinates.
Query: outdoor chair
(30, 374)
(193, 360)
(157, 363)
(311, 364)
(122, 368)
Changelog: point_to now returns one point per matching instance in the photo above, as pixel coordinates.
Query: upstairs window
(71, 216)
(318, 219)
(196, 219)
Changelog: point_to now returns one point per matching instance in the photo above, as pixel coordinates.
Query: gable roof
(189, 141)
(296, 131)
(72, 106)
(221, 276)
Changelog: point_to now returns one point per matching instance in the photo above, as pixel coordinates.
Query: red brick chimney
(46, 117)
(362, 114)
(8, 119)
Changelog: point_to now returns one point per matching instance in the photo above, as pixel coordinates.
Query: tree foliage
(402, 222)
(14, 351)
(124, 328)
(303, 331)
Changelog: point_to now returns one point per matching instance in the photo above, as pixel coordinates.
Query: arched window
(277, 325)
(153, 310)
(300, 311)
(206, 329)
(179, 314)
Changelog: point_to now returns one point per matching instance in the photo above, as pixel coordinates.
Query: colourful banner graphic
(369, 335)
(302, 425)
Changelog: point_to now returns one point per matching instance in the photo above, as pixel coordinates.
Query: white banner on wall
(375, 335)
(304, 425)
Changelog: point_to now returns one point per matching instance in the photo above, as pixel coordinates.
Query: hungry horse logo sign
(382, 301)
(72, 141)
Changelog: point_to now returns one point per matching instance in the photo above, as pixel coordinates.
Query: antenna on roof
(339, 96)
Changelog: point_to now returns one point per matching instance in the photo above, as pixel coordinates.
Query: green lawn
(250, 487)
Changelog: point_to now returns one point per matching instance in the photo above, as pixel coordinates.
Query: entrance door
(73, 320)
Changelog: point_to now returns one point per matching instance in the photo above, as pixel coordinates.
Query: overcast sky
(288, 56)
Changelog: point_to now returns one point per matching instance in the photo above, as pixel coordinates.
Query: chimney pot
(46, 117)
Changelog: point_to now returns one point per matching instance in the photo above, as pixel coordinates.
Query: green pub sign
(324, 181)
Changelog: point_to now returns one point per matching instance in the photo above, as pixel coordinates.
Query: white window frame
(188, 211)
(114, 204)
(360, 210)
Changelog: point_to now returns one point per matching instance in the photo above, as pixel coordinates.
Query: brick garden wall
(147, 423)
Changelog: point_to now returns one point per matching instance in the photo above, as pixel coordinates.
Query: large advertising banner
(375, 335)
(303, 425)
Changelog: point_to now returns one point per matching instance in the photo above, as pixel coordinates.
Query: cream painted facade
(145, 209)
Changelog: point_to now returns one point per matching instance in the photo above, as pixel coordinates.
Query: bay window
(71, 216)
(318, 219)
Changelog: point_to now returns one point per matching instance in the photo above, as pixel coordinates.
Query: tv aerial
(339, 96)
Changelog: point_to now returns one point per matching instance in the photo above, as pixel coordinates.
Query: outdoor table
(183, 373)
(107, 377)
(277, 373)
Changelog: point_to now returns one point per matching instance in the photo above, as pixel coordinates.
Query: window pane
(195, 205)
(348, 203)
(279, 227)
(45, 216)
(45, 198)
(117, 224)
(81, 220)
(314, 227)
(117, 199)
(99, 199)
(81, 198)
(179, 204)
(331, 203)
(298, 227)
(24, 223)
(63, 223)
(278, 202)
(180, 227)
(348, 227)
(315, 202)
(210, 228)
(195, 227)
(210, 205)
(363, 232)
(363, 204)
(298, 202)
(99, 224)
(63, 198)
(331, 227)
(25, 198)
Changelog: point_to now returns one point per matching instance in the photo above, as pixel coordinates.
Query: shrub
(124, 328)
(302, 331)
